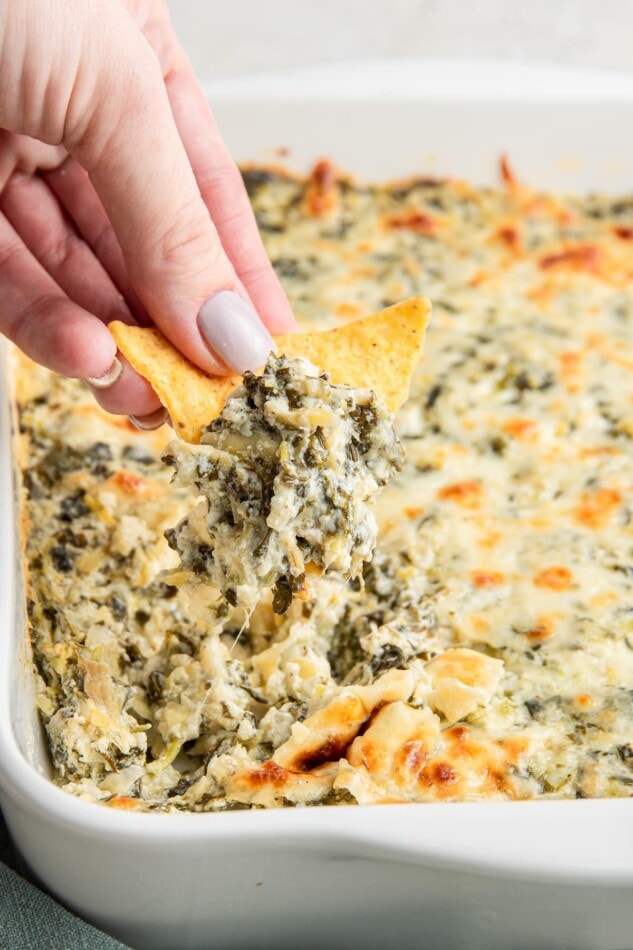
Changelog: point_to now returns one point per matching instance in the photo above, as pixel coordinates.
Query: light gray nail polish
(109, 378)
(234, 332)
(154, 420)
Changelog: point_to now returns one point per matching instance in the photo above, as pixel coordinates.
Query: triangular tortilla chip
(378, 353)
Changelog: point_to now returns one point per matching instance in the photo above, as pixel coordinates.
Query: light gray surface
(31, 920)
(250, 35)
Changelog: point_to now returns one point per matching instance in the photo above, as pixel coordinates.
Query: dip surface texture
(487, 652)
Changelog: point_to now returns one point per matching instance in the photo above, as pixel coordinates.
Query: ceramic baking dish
(511, 876)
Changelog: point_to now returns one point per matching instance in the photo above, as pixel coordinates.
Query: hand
(119, 200)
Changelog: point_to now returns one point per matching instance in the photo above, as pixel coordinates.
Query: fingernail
(233, 331)
(154, 420)
(108, 379)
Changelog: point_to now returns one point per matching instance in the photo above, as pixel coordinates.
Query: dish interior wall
(563, 146)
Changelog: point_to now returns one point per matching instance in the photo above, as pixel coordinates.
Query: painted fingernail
(109, 378)
(233, 331)
(154, 420)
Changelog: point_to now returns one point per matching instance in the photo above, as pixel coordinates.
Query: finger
(24, 154)
(123, 132)
(72, 186)
(40, 319)
(225, 196)
(37, 217)
(130, 394)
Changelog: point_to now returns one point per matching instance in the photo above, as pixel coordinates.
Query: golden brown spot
(541, 294)
(507, 173)
(465, 750)
(584, 258)
(553, 578)
(129, 481)
(321, 190)
(570, 361)
(597, 451)
(132, 484)
(323, 175)
(466, 494)
(439, 773)
(478, 278)
(458, 733)
(584, 701)
(543, 630)
(514, 747)
(333, 728)
(597, 507)
(509, 235)
(413, 755)
(330, 751)
(520, 428)
(625, 233)
(124, 803)
(412, 511)
(570, 370)
(269, 774)
(497, 780)
(487, 578)
(474, 764)
(419, 221)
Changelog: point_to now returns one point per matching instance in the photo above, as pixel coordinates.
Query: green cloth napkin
(30, 919)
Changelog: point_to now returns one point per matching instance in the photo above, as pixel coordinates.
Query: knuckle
(22, 322)
(57, 253)
(254, 274)
(218, 177)
(190, 244)
(239, 219)
(10, 250)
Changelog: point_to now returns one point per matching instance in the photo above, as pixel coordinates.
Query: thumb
(121, 129)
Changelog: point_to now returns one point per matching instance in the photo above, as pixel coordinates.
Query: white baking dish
(512, 876)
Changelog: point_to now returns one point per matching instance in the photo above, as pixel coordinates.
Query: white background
(232, 37)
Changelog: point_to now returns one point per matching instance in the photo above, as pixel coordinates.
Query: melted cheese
(488, 652)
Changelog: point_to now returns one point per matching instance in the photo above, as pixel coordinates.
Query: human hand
(119, 200)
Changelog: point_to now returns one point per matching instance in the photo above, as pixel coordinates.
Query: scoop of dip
(288, 472)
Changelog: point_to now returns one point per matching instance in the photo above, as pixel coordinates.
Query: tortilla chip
(379, 353)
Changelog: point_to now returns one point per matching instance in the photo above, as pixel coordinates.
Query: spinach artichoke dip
(287, 472)
(484, 652)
